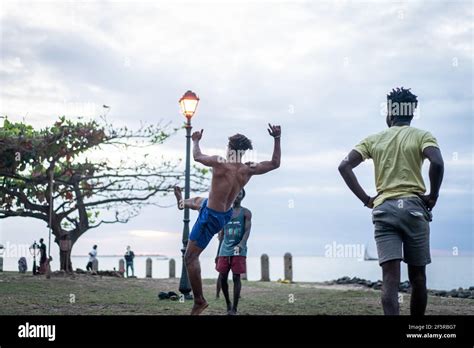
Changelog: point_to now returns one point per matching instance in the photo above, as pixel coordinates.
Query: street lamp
(34, 250)
(188, 105)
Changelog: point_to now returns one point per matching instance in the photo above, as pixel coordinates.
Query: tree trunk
(65, 247)
(65, 260)
(66, 241)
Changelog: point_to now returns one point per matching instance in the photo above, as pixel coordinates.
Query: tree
(35, 164)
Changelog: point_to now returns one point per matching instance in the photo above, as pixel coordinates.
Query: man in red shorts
(233, 251)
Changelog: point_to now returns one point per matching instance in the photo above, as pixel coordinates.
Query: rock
(343, 280)
(377, 285)
(453, 293)
(404, 286)
(464, 294)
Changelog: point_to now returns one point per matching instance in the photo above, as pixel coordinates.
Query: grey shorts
(402, 231)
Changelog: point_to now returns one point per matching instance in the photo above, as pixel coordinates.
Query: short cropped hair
(401, 103)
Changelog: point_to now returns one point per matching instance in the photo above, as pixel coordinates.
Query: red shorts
(235, 263)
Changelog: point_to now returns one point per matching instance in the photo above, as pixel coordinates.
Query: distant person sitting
(43, 257)
(129, 256)
(22, 265)
(92, 258)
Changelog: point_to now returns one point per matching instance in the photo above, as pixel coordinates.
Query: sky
(321, 70)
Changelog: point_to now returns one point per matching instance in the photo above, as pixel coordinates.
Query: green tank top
(233, 233)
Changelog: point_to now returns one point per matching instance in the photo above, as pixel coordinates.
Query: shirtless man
(229, 176)
(232, 251)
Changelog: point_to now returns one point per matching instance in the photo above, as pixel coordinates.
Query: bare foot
(198, 308)
(179, 197)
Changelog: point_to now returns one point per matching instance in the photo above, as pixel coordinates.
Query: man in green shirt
(401, 210)
(232, 253)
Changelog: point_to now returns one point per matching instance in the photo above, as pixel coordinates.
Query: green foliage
(82, 187)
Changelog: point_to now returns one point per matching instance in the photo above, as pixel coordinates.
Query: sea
(444, 273)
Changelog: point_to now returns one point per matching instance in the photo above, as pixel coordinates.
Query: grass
(24, 294)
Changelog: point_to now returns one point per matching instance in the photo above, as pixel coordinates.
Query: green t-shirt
(233, 233)
(398, 156)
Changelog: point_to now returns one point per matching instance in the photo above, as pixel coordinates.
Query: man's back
(129, 256)
(43, 252)
(398, 157)
(227, 181)
(229, 175)
(401, 212)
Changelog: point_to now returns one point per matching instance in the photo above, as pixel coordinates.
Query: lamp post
(2, 249)
(188, 105)
(34, 250)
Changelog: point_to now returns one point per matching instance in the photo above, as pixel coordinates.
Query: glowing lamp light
(188, 104)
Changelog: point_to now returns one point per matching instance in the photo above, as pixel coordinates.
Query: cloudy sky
(320, 69)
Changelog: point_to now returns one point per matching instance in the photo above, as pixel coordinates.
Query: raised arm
(346, 167)
(436, 173)
(266, 166)
(209, 161)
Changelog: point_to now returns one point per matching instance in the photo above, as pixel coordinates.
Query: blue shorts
(208, 223)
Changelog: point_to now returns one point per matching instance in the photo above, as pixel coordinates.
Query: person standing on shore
(43, 257)
(92, 257)
(129, 256)
(401, 211)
